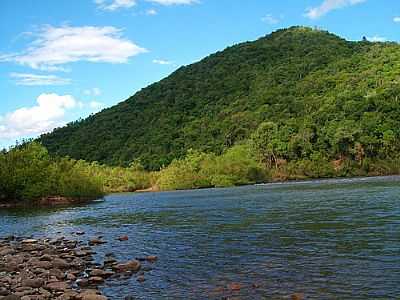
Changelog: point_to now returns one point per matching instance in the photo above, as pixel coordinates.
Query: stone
(46, 257)
(94, 242)
(60, 263)
(11, 297)
(123, 238)
(234, 286)
(43, 265)
(94, 297)
(141, 279)
(58, 286)
(71, 277)
(33, 283)
(29, 241)
(297, 296)
(132, 265)
(82, 282)
(96, 280)
(151, 258)
(98, 272)
(57, 273)
(6, 251)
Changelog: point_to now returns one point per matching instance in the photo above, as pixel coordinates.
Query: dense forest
(296, 104)
(309, 94)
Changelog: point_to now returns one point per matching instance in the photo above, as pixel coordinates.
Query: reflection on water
(329, 239)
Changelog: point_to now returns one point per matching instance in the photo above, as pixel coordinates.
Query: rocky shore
(62, 269)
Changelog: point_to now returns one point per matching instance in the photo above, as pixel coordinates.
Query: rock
(133, 265)
(96, 280)
(94, 242)
(33, 283)
(82, 282)
(71, 277)
(43, 265)
(29, 241)
(11, 297)
(4, 291)
(6, 251)
(94, 297)
(58, 286)
(297, 296)
(46, 257)
(97, 272)
(123, 238)
(60, 263)
(151, 258)
(81, 253)
(57, 273)
(234, 286)
(141, 279)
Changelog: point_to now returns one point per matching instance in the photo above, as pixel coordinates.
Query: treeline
(29, 173)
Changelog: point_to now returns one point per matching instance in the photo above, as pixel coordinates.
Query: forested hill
(323, 93)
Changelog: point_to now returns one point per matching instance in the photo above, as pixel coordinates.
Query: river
(328, 239)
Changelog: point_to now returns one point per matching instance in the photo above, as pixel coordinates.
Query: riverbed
(326, 239)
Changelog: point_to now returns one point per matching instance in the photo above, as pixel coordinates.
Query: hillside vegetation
(304, 102)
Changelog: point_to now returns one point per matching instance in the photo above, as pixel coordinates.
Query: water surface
(329, 239)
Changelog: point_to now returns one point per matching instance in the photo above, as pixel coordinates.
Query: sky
(62, 60)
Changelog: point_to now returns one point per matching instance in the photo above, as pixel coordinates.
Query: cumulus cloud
(35, 79)
(56, 46)
(329, 5)
(92, 92)
(96, 105)
(162, 62)
(396, 19)
(173, 2)
(376, 38)
(270, 19)
(47, 114)
(114, 4)
(151, 12)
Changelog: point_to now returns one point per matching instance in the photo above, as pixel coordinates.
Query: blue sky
(61, 60)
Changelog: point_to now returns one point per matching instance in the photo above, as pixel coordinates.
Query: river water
(328, 239)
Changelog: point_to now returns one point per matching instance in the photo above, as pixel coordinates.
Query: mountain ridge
(284, 77)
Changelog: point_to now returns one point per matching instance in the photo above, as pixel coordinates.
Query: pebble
(61, 269)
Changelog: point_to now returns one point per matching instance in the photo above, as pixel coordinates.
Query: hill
(326, 96)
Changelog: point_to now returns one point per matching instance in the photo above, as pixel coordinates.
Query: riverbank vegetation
(28, 173)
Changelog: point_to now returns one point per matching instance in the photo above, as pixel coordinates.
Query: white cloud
(162, 62)
(173, 2)
(47, 114)
(396, 19)
(114, 4)
(35, 79)
(329, 5)
(55, 46)
(376, 38)
(96, 105)
(270, 19)
(92, 92)
(151, 12)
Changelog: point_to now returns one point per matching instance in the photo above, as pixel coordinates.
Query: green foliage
(318, 92)
(27, 172)
(199, 170)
